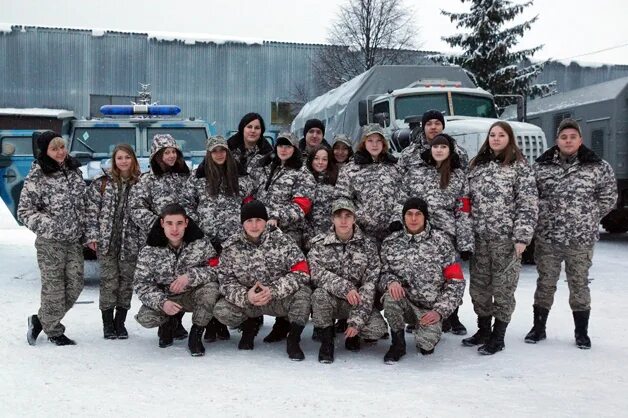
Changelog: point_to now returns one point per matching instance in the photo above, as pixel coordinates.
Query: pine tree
(487, 48)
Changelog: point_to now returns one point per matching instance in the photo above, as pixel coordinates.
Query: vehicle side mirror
(382, 118)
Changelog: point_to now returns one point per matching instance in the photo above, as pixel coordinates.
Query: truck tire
(616, 222)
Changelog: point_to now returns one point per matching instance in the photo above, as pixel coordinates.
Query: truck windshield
(189, 139)
(101, 140)
(417, 105)
(477, 106)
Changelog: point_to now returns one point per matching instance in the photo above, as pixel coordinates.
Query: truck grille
(531, 146)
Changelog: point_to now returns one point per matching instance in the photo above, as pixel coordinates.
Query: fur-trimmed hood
(157, 236)
(363, 158)
(49, 166)
(585, 156)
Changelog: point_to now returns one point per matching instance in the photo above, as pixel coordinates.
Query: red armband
(302, 266)
(247, 200)
(213, 262)
(464, 204)
(304, 203)
(453, 272)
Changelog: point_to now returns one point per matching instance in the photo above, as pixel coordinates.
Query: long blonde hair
(135, 167)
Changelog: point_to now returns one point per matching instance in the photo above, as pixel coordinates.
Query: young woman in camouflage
(343, 151)
(213, 197)
(442, 183)
(248, 145)
(114, 237)
(372, 182)
(51, 205)
(504, 210)
(163, 185)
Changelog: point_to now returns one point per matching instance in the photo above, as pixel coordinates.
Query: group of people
(304, 229)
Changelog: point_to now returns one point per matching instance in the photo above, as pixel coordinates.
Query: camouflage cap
(373, 128)
(342, 138)
(216, 141)
(161, 141)
(568, 123)
(289, 137)
(342, 203)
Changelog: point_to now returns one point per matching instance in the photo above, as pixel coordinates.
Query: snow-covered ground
(136, 378)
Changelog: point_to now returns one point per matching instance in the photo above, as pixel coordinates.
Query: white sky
(566, 28)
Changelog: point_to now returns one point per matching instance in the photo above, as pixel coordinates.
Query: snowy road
(136, 378)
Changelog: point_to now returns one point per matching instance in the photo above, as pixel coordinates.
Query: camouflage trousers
(296, 307)
(200, 301)
(327, 307)
(398, 313)
(548, 258)
(61, 266)
(494, 272)
(116, 282)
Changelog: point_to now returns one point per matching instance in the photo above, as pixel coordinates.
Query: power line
(598, 51)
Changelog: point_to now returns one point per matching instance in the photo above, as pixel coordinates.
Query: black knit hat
(443, 139)
(253, 209)
(313, 123)
(44, 139)
(416, 203)
(432, 114)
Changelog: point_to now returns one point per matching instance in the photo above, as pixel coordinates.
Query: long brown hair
(159, 167)
(331, 172)
(218, 175)
(510, 154)
(362, 147)
(135, 166)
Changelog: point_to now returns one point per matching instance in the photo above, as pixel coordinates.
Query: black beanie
(443, 139)
(253, 209)
(416, 203)
(432, 114)
(313, 123)
(44, 139)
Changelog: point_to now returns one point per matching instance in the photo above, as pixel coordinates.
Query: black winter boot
(34, 329)
(61, 340)
(537, 333)
(179, 331)
(222, 332)
(326, 352)
(280, 330)
(165, 332)
(496, 341)
(446, 325)
(210, 332)
(410, 328)
(456, 326)
(483, 333)
(292, 342)
(250, 328)
(118, 323)
(353, 343)
(195, 343)
(341, 326)
(108, 329)
(581, 320)
(398, 347)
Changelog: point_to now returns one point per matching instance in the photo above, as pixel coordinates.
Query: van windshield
(101, 140)
(190, 139)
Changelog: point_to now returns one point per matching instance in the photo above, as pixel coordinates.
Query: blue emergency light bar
(154, 110)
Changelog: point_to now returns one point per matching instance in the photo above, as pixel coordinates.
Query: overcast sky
(568, 29)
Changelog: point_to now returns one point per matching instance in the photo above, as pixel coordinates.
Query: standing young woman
(248, 145)
(163, 185)
(342, 149)
(504, 209)
(51, 205)
(323, 167)
(442, 183)
(114, 237)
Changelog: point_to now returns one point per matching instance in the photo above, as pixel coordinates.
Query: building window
(98, 100)
(282, 113)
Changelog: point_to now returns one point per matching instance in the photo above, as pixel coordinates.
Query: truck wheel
(616, 222)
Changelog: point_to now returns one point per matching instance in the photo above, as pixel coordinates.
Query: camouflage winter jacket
(374, 189)
(52, 205)
(319, 220)
(574, 198)
(449, 208)
(275, 261)
(219, 215)
(411, 155)
(339, 267)
(425, 266)
(106, 199)
(159, 266)
(504, 202)
(248, 158)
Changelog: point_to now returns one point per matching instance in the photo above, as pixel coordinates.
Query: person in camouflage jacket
(248, 146)
(372, 182)
(263, 272)
(504, 209)
(175, 274)
(114, 237)
(576, 190)
(52, 206)
(345, 269)
(420, 279)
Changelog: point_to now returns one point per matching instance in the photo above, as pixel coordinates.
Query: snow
(136, 378)
(98, 33)
(192, 38)
(6, 27)
(51, 113)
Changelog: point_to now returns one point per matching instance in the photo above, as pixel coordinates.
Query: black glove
(466, 255)
(395, 226)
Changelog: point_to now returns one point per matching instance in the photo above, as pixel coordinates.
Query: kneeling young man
(421, 280)
(345, 269)
(263, 272)
(173, 276)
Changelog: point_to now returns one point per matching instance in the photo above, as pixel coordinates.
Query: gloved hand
(395, 226)
(466, 255)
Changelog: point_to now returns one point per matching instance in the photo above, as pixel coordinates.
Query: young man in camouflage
(263, 272)
(576, 190)
(345, 269)
(420, 279)
(173, 275)
(51, 205)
